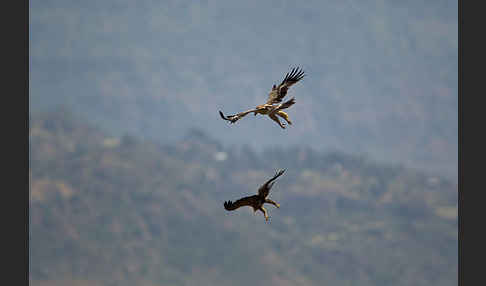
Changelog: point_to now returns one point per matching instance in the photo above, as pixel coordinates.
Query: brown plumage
(256, 201)
(273, 107)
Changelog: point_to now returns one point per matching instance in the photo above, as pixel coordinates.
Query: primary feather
(246, 201)
(279, 92)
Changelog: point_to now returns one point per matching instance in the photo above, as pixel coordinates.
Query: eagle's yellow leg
(269, 201)
(264, 211)
(274, 118)
(284, 116)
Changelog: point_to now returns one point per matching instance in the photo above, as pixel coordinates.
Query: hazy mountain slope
(107, 210)
(382, 75)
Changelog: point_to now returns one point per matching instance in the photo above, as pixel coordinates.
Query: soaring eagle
(273, 106)
(256, 201)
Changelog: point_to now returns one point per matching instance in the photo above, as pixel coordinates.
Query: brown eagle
(256, 201)
(273, 107)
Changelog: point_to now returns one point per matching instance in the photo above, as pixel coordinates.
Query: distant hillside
(381, 75)
(121, 211)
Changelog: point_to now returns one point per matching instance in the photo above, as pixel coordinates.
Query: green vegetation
(122, 211)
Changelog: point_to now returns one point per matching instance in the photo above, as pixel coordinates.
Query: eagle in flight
(256, 201)
(273, 107)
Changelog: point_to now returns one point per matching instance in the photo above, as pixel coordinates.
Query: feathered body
(273, 107)
(256, 201)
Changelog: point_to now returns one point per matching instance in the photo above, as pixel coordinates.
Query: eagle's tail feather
(287, 104)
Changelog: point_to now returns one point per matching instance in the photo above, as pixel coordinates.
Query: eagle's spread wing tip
(228, 205)
(222, 115)
(278, 93)
(231, 118)
(280, 172)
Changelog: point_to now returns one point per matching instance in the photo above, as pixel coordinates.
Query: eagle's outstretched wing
(233, 118)
(278, 92)
(264, 190)
(246, 201)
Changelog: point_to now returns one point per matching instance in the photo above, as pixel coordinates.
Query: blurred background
(130, 163)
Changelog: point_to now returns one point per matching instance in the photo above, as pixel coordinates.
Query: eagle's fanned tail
(288, 103)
